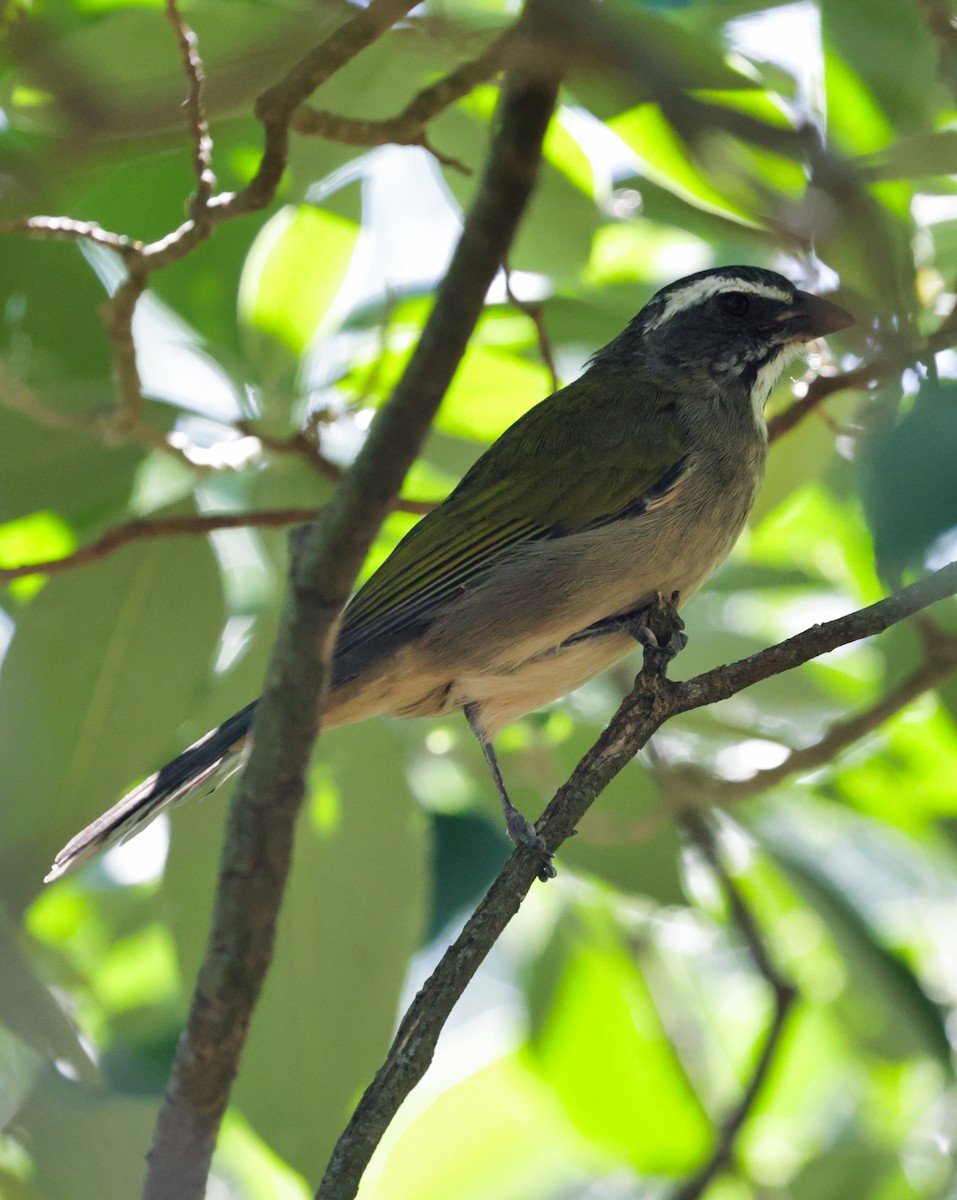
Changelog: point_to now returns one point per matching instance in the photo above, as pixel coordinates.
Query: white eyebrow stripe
(696, 293)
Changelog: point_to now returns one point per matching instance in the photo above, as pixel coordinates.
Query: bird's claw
(523, 833)
(660, 631)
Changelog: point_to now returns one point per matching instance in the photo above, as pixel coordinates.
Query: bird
(629, 484)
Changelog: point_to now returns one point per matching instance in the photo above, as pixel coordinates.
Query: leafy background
(617, 1022)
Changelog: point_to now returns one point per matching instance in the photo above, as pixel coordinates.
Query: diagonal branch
(408, 128)
(652, 702)
(940, 662)
(266, 802)
(722, 682)
(275, 107)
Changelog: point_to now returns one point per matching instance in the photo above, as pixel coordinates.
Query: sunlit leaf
(293, 273)
(603, 1048)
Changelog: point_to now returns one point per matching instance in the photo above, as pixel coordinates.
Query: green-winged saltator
(633, 481)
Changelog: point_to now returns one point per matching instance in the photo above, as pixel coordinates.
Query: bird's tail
(210, 761)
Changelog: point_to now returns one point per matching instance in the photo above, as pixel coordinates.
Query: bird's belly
(503, 698)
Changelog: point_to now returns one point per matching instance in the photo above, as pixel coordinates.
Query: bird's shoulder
(581, 453)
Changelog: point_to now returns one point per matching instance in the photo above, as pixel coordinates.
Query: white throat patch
(764, 380)
(693, 294)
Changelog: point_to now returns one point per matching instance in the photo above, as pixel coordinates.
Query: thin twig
(151, 528)
(935, 668)
(408, 128)
(866, 375)
(275, 108)
(117, 315)
(196, 108)
(536, 314)
(694, 787)
(66, 229)
(783, 991)
(823, 386)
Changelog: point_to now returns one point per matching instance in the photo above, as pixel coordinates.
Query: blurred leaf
(660, 54)
(497, 1133)
(908, 483)
(601, 1045)
(622, 839)
(914, 157)
(467, 854)
(51, 333)
(851, 1166)
(887, 1010)
(63, 1123)
(30, 1012)
(66, 472)
(491, 391)
(889, 49)
(294, 272)
(104, 664)
(667, 161)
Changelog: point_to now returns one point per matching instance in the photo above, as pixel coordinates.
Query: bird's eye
(735, 304)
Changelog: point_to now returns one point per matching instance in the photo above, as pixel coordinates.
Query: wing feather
(575, 462)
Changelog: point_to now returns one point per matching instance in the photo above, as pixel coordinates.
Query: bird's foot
(656, 627)
(523, 833)
(660, 631)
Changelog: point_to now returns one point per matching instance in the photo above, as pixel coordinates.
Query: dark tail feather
(210, 761)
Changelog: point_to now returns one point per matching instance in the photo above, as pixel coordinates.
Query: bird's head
(727, 327)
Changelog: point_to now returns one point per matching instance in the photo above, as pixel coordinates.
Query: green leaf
(84, 482)
(104, 665)
(852, 1166)
(908, 483)
(887, 1009)
(30, 1011)
(490, 392)
(294, 272)
(496, 1133)
(64, 1125)
(602, 1047)
(667, 161)
(623, 839)
(914, 157)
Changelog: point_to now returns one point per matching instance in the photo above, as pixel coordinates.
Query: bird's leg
(520, 831)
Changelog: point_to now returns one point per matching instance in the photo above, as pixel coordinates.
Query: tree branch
(653, 701)
(937, 665)
(783, 991)
(722, 682)
(267, 799)
(408, 128)
(196, 107)
(150, 528)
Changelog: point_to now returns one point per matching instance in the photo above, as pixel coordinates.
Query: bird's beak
(812, 317)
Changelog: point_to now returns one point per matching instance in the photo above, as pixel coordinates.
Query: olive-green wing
(576, 461)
